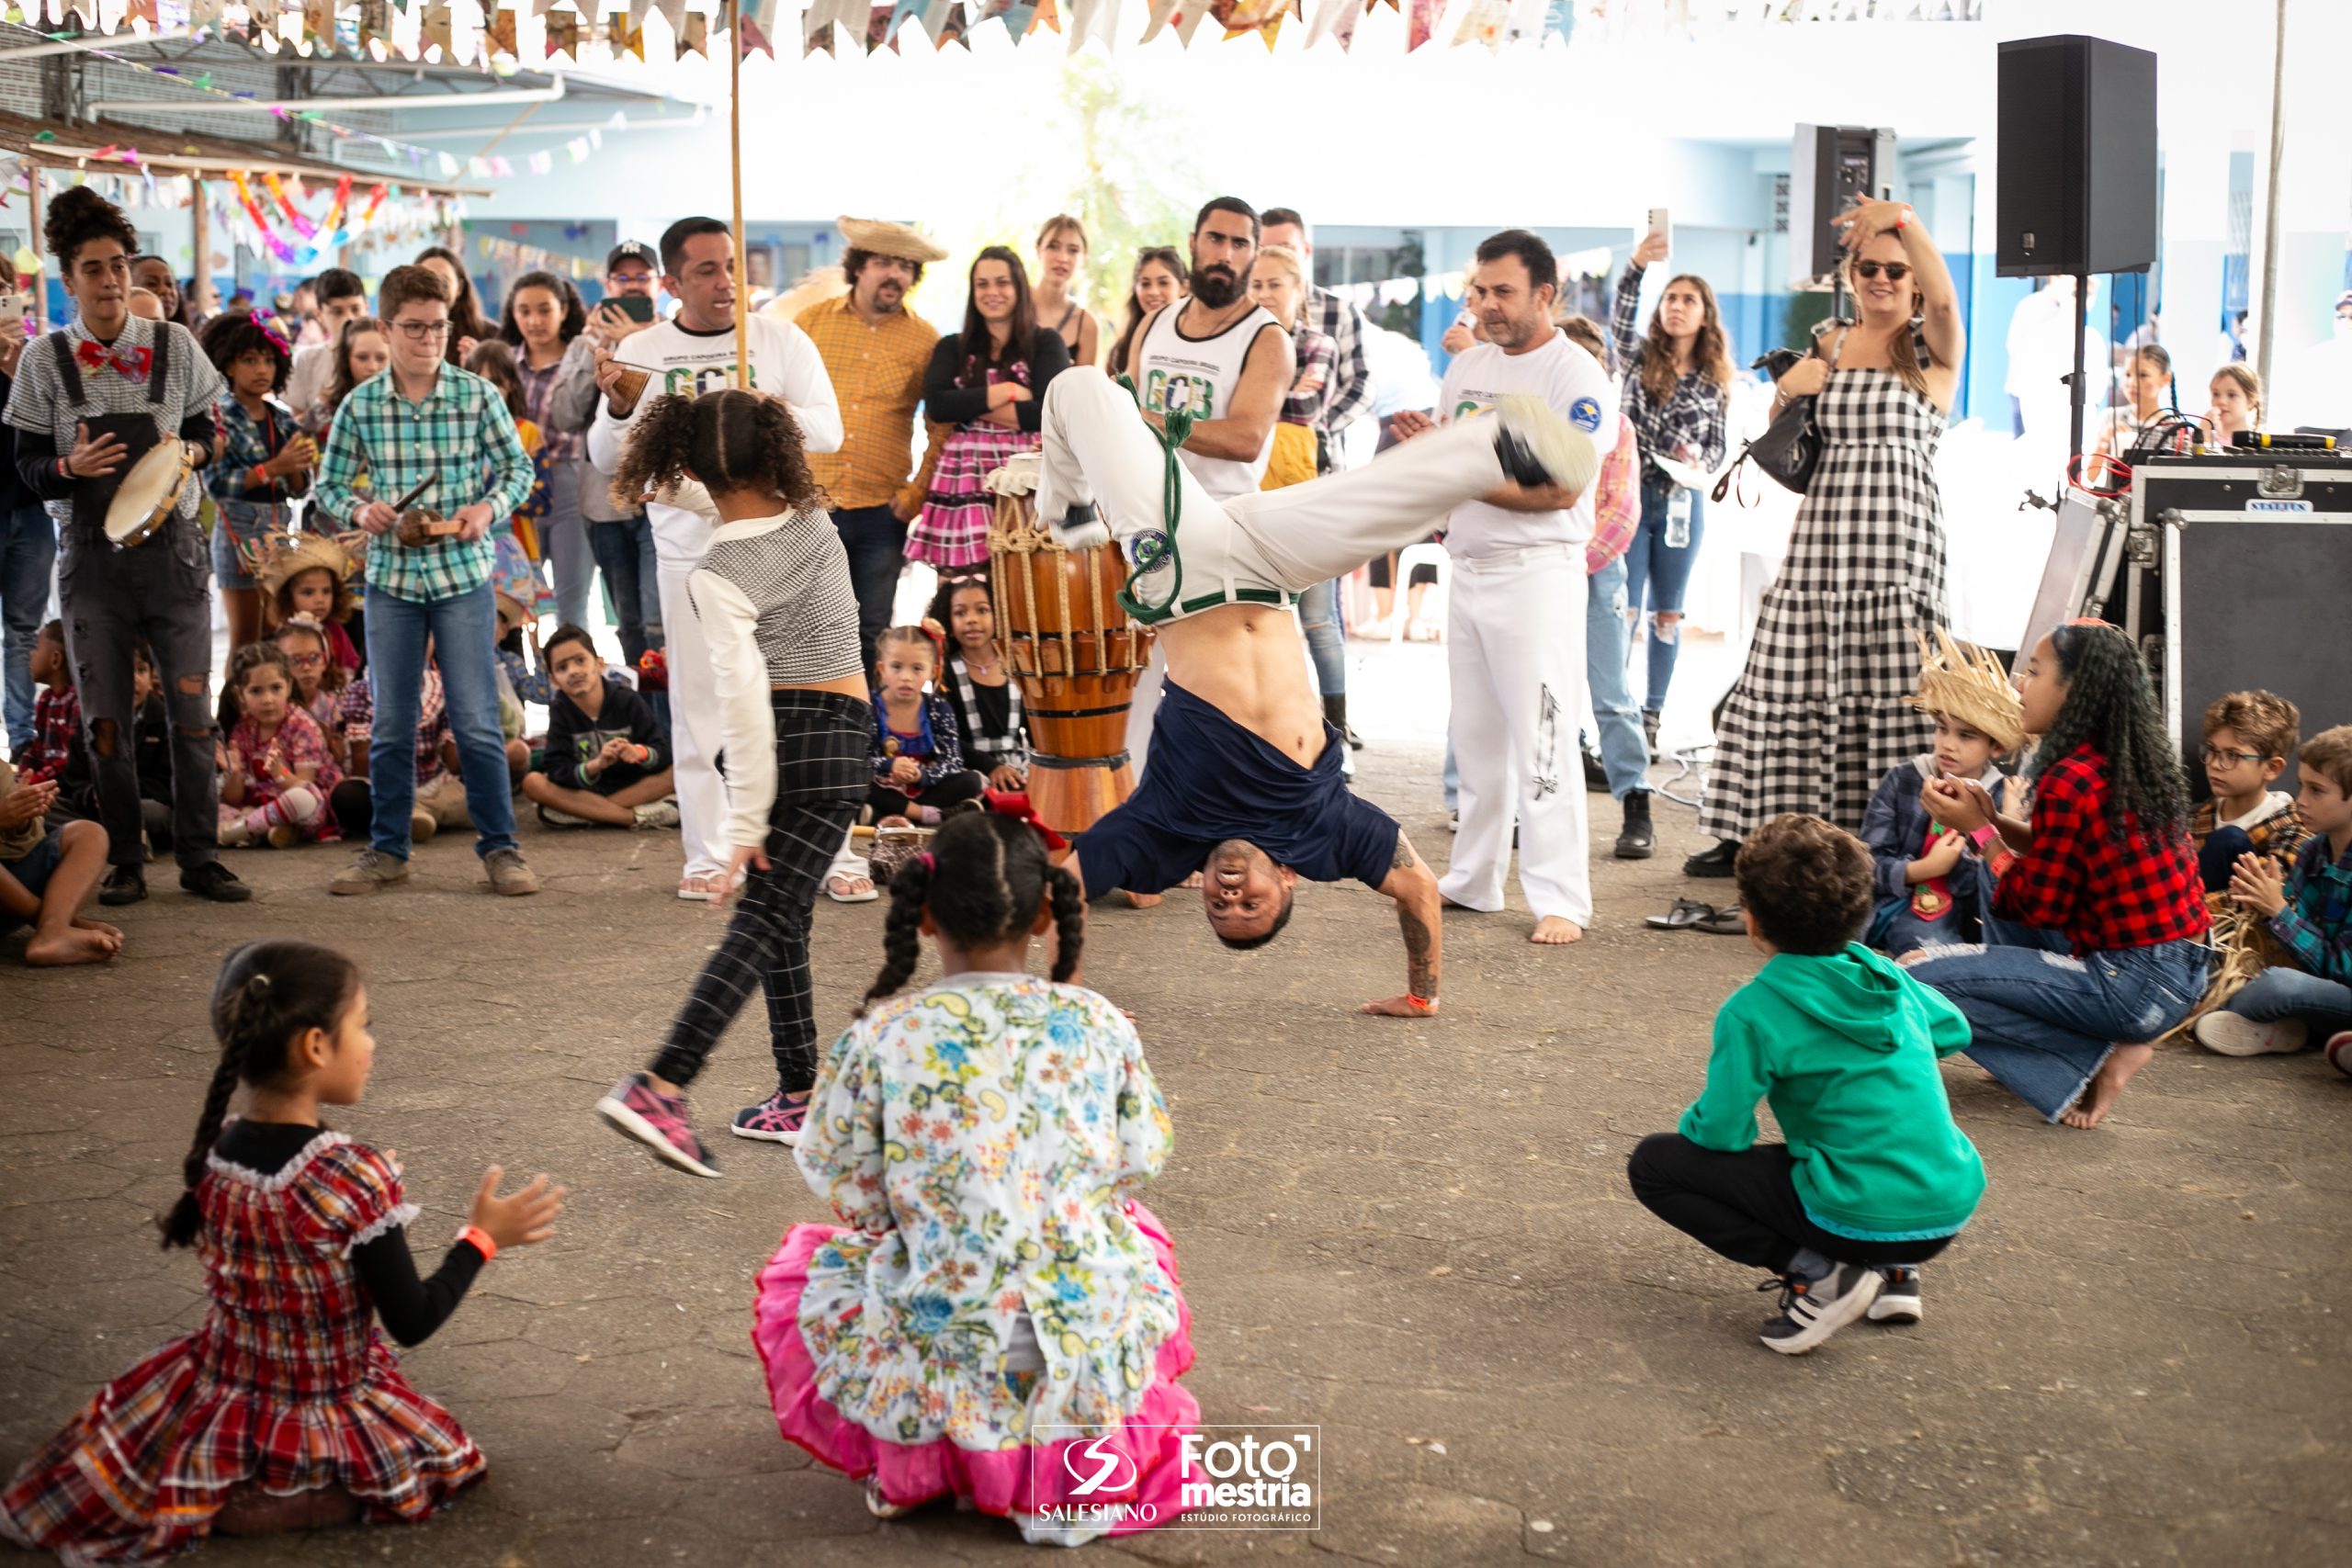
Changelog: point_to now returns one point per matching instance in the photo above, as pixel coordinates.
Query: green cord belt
(1151, 548)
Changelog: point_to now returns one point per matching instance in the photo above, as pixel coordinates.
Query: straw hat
(511, 613)
(1969, 687)
(289, 555)
(814, 287)
(885, 237)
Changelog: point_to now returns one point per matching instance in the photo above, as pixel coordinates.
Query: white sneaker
(657, 814)
(1086, 533)
(1530, 433)
(2233, 1034)
(1813, 1309)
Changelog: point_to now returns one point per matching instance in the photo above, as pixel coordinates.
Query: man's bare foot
(73, 945)
(2107, 1087)
(87, 925)
(1144, 900)
(1191, 884)
(1555, 931)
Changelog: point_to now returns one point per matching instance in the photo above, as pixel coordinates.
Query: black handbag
(1790, 449)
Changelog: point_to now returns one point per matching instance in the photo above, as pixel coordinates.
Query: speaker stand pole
(2078, 384)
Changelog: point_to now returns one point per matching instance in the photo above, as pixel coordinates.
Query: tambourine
(149, 493)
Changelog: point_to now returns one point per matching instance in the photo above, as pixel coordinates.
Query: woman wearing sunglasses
(1821, 712)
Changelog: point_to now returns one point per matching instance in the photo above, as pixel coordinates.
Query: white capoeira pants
(694, 722)
(1514, 646)
(1098, 449)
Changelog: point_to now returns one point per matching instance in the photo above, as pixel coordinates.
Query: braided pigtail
(902, 932)
(660, 449)
(1069, 919)
(268, 995)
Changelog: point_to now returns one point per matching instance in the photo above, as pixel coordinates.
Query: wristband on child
(478, 1239)
(1985, 835)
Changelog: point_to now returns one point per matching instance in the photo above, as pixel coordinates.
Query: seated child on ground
(918, 770)
(2248, 737)
(440, 793)
(986, 698)
(312, 576)
(1930, 889)
(607, 761)
(1007, 1225)
(58, 753)
(276, 776)
(47, 874)
(2308, 996)
(151, 742)
(2097, 944)
(285, 1411)
(1875, 1178)
(319, 680)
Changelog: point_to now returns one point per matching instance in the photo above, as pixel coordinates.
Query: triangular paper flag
(500, 35)
(434, 30)
(318, 24)
(674, 12)
(375, 22)
(695, 36)
(563, 34)
(625, 37)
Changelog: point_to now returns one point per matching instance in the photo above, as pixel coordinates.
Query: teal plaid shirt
(463, 430)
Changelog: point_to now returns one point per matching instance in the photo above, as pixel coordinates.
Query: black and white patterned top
(988, 746)
(777, 609)
(1822, 711)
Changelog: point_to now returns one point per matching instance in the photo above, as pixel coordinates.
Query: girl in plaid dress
(988, 380)
(285, 1410)
(1822, 711)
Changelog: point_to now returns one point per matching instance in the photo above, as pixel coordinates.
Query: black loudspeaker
(1831, 168)
(2075, 167)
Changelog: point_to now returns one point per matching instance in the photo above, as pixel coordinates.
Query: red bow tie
(131, 364)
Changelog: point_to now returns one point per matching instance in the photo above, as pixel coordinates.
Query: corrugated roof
(184, 153)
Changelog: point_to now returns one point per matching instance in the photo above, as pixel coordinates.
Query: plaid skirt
(1822, 711)
(139, 1473)
(953, 528)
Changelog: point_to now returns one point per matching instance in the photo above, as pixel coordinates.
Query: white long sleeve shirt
(784, 362)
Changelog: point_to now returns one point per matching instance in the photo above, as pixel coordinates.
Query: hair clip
(929, 864)
(1015, 805)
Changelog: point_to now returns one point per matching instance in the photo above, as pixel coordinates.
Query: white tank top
(1198, 376)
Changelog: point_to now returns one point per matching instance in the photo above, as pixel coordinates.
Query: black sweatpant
(953, 790)
(823, 764)
(1746, 1205)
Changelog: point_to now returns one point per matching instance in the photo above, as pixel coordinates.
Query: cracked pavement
(1416, 1233)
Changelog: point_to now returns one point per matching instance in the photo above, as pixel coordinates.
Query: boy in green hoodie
(1875, 1178)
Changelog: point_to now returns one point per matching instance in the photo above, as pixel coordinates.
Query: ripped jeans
(2043, 1021)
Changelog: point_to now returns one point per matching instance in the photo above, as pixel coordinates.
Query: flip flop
(851, 878)
(1723, 923)
(1686, 912)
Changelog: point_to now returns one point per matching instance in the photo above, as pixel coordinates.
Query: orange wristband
(1420, 1004)
(479, 1240)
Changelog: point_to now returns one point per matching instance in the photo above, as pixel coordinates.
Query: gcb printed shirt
(1573, 384)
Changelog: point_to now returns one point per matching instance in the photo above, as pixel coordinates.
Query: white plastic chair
(1434, 606)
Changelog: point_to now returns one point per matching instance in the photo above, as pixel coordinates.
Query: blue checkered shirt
(2316, 924)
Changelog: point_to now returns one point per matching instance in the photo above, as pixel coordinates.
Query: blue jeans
(2324, 1006)
(877, 543)
(1326, 644)
(464, 631)
(624, 553)
(1624, 754)
(1659, 572)
(1895, 930)
(27, 559)
(2043, 1021)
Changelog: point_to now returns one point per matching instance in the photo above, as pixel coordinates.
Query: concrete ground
(1416, 1235)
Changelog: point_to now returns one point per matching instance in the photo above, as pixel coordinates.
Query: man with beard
(1515, 645)
(1246, 785)
(1226, 362)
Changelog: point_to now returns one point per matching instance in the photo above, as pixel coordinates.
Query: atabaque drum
(1065, 638)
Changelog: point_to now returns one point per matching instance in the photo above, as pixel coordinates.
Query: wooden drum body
(1066, 640)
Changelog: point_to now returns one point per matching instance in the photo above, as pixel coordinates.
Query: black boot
(1335, 713)
(1635, 840)
(124, 884)
(1595, 775)
(1716, 862)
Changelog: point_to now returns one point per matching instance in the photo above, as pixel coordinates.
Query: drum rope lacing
(1150, 549)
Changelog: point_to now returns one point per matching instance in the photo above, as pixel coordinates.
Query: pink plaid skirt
(953, 528)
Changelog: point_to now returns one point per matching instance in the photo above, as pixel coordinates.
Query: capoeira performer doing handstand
(1244, 783)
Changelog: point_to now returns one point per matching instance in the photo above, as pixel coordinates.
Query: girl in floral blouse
(285, 1410)
(276, 773)
(995, 1293)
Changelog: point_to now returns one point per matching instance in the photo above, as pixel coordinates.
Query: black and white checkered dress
(1819, 715)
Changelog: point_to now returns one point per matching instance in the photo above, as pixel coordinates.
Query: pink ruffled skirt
(1009, 1482)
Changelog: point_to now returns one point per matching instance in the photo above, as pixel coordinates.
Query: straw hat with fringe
(814, 287)
(287, 557)
(883, 238)
(1969, 687)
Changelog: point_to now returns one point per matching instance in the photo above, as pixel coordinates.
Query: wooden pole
(40, 280)
(200, 221)
(735, 160)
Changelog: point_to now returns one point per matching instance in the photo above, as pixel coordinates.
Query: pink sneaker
(657, 1120)
(776, 1119)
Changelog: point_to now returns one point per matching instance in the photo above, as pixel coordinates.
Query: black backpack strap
(69, 375)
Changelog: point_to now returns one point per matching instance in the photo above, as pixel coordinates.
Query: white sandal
(852, 878)
(700, 889)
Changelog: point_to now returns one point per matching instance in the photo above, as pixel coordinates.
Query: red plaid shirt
(57, 724)
(2103, 891)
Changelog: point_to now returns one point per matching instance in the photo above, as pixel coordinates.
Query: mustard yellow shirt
(876, 371)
